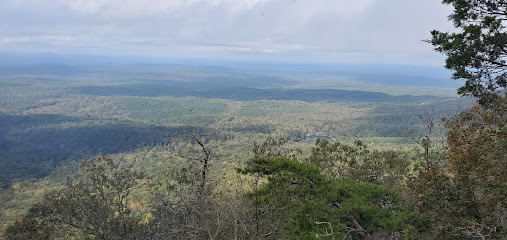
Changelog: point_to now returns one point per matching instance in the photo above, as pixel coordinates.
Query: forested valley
(95, 147)
(173, 155)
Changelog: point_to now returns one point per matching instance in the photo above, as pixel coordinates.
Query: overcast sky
(361, 31)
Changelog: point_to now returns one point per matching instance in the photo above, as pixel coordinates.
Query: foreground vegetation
(335, 191)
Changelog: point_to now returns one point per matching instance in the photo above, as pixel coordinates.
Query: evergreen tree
(478, 51)
(313, 205)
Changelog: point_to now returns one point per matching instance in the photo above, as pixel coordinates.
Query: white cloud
(262, 46)
(50, 40)
(84, 6)
(309, 29)
(137, 8)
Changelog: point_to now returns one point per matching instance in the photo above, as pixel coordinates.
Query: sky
(346, 31)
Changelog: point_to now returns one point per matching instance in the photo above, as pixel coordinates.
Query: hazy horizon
(326, 31)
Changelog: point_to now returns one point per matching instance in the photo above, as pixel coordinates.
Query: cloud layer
(379, 31)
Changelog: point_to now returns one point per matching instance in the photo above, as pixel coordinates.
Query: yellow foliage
(133, 205)
(147, 218)
(16, 186)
